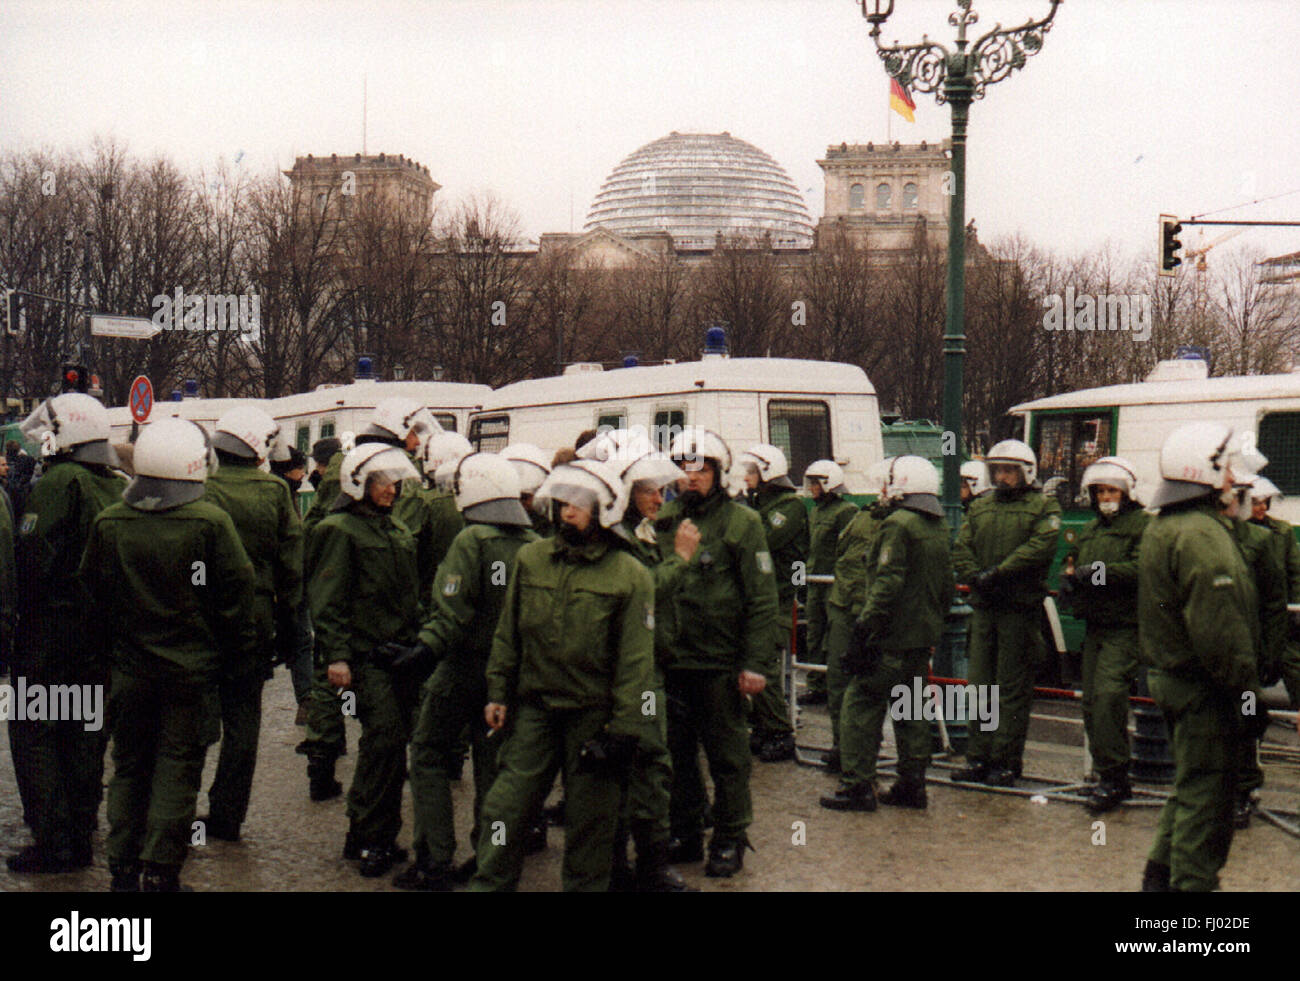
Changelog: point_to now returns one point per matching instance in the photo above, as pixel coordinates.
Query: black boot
(351, 847)
(320, 773)
(1108, 795)
(377, 860)
(423, 875)
(683, 851)
(859, 797)
(777, 749)
(161, 878)
(726, 858)
(1242, 809)
(1000, 776)
(974, 773)
(220, 829)
(1155, 878)
(463, 872)
(535, 837)
(654, 874)
(908, 791)
(35, 860)
(126, 876)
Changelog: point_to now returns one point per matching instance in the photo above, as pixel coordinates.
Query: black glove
(607, 755)
(862, 652)
(1257, 724)
(987, 580)
(399, 657)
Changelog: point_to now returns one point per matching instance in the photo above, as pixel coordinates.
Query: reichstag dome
(695, 185)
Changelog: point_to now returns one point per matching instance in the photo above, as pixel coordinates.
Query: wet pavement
(966, 840)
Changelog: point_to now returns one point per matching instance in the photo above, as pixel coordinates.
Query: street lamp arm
(998, 53)
(918, 67)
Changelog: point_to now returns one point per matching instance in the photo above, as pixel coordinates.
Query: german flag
(900, 101)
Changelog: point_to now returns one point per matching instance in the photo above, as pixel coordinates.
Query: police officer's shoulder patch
(28, 524)
(452, 586)
(649, 616)
(1054, 521)
(777, 519)
(764, 562)
(1221, 582)
(884, 556)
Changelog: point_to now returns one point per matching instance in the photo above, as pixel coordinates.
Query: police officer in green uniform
(1268, 570)
(363, 593)
(1003, 551)
(262, 510)
(402, 423)
(785, 521)
(910, 593)
(455, 642)
(644, 815)
(171, 589)
(726, 615)
(571, 669)
(59, 763)
(831, 513)
(974, 482)
(1099, 582)
(846, 599)
(1262, 495)
(1197, 626)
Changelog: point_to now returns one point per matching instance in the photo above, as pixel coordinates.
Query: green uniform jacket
(1288, 553)
(52, 534)
(1114, 542)
(470, 590)
(850, 589)
(433, 521)
(8, 583)
(785, 522)
(726, 601)
(830, 516)
(1266, 567)
(667, 572)
(262, 510)
(1196, 600)
(577, 632)
(912, 583)
(1018, 536)
(173, 584)
(363, 583)
(326, 494)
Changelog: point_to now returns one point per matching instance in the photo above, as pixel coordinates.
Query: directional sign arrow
(142, 328)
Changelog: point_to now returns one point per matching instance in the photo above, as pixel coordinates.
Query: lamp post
(957, 78)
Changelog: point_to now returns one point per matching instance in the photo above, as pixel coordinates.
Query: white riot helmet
(828, 474)
(975, 474)
(1113, 471)
(370, 459)
(443, 475)
(878, 475)
(487, 490)
(441, 447)
(590, 484)
(1264, 490)
(79, 424)
(531, 464)
(396, 418)
(1013, 451)
(769, 462)
(913, 482)
(1192, 462)
(697, 443)
(633, 456)
(172, 459)
(246, 431)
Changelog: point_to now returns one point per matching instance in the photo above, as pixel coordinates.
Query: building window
(857, 197)
(909, 195)
(327, 429)
(884, 197)
(801, 430)
(446, 420)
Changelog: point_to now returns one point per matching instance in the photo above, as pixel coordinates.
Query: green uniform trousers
(645, 811)
(59, 768)
(241, 724)
(325, 733)
(818, 616)
(1291, 671)
(1195, 828)
(164, 720)
(386, 706)
(838, 633)
(769, 712)
(451, 701)
(1004, 650)
(706, 708)
(867, 701)
(1109, 670)
(542, 742)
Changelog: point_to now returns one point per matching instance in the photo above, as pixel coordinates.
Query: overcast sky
(1133, 107)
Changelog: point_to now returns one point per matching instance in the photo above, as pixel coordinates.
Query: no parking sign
(141, 398)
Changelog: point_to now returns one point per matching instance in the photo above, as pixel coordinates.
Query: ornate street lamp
(957, 78)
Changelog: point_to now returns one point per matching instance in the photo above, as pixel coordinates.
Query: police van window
(1279, 440)
(446, 420)
(303, 438)
(1067, 445)
(800, 430)
(668, 422)
(611, 420)
(489, 433)
(326, 428)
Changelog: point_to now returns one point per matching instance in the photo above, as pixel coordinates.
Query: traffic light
(1170, 227)
(11, 313)
(75, 378)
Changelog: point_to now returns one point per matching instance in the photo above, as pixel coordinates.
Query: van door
(801, 429)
